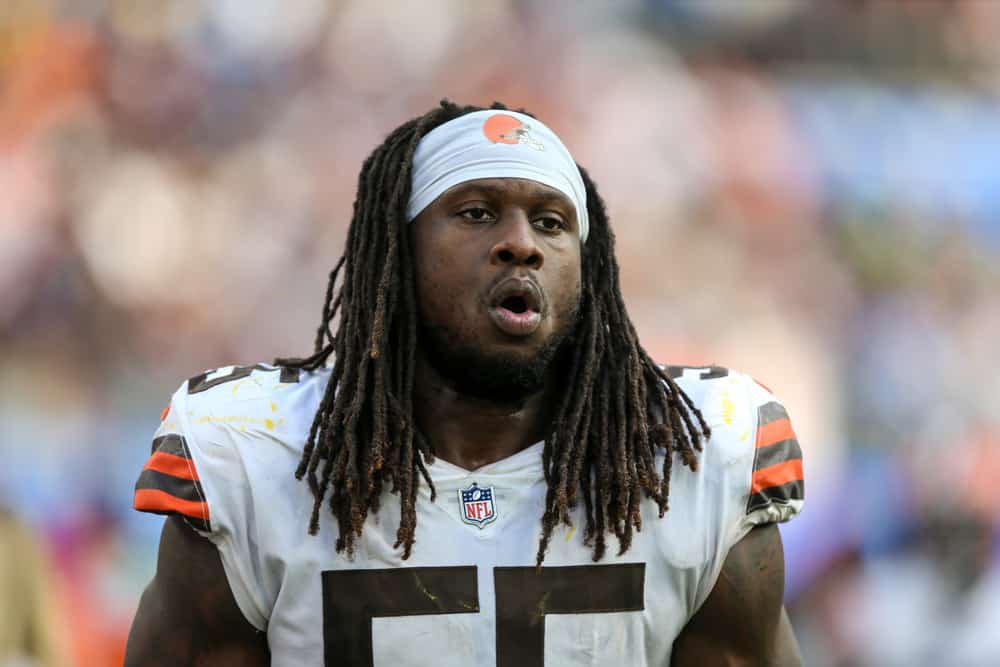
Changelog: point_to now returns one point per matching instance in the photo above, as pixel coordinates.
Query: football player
(475, 464)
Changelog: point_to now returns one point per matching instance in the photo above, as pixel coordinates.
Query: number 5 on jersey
(521, 593)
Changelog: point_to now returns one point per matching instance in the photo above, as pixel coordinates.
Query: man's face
(498, 284)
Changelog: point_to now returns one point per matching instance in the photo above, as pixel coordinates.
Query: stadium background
(807, 191)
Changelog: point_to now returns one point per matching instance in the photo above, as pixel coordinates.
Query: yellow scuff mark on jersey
(572, 529)
(229, 419)
(274, 406)
(728, 408)
(238, 384)
(423, 589)
(746, 434)
(542, 606)
(242, 422)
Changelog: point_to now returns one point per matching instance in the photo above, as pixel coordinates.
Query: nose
(516, 245)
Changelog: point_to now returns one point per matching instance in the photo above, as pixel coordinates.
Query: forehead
(513, 189)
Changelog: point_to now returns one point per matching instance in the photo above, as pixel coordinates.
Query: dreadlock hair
(621, 410)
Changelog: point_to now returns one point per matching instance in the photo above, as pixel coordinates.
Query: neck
(472, 432)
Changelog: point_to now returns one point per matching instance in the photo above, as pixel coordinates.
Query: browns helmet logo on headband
(503, 129)
(455, 152)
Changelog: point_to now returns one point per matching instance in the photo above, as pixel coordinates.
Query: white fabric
(246, 438)
(469, 147)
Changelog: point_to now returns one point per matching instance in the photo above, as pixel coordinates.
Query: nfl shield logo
(477, 506)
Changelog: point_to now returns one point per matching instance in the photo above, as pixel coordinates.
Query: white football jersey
(224, 458)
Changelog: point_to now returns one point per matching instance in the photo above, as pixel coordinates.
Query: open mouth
(515, 304)
(516, 307)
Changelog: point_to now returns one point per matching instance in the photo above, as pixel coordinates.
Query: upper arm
(743, 621)
(187, 615)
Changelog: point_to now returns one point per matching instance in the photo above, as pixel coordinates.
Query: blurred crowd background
(807, 191)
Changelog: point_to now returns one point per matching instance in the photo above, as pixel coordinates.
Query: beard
(504, 379)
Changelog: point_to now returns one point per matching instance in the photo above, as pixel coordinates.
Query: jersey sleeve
(752, 471)
(777, 484)
(169, 483)
(196, 471)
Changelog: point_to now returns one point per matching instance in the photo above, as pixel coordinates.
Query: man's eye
(551, 224)
(476, 213)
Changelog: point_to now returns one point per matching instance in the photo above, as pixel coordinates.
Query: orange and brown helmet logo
(502, 128)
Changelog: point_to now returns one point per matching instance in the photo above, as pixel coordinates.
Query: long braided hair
(621, 409)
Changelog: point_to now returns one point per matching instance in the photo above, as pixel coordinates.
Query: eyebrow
(545, 196)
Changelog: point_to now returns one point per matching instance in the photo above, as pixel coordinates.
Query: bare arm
(743, 622)
(187, 615)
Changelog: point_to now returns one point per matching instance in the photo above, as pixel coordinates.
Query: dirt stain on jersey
(423, 589)
(240, 421)
(728, 408)
(539, 615)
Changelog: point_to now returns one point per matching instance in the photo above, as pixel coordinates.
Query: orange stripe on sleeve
(152, 500)
(169, 464)
(776, 475)
(776, 431)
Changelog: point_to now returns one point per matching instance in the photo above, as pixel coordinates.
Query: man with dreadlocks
(460, 471)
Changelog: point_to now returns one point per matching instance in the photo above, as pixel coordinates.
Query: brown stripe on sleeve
(185, 489)
(172, 443)
(169, 483)
(794, 490)
(779, 452)
(770, 412)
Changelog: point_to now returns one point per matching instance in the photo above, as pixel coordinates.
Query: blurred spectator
(30, 629)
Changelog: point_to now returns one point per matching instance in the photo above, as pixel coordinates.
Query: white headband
(494, 144)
